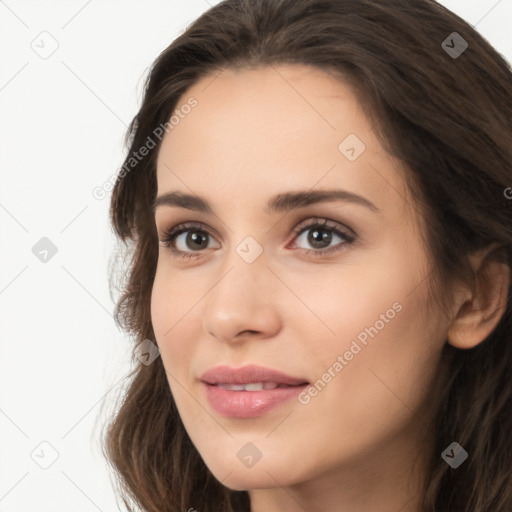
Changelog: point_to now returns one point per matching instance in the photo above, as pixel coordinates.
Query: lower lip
(248, 404)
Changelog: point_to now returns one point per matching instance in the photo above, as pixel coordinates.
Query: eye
(190, 239)
(322, 233)
(188, 235)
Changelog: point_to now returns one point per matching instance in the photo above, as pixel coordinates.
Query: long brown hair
(446, 117)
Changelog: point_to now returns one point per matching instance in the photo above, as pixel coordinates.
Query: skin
(253, 134)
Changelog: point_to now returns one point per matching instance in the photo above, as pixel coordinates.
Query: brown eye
(185, 240)
(320, 235)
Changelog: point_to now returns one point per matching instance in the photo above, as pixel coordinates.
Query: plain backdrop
(71, 75)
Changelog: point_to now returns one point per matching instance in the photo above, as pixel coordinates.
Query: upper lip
(248, 374)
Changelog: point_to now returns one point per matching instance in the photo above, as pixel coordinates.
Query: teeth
(253, 386)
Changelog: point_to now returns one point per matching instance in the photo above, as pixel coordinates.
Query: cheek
(173, 297)
(172, 303)
(162, 307)
(366, 301)
(372, 316)
(389, 357)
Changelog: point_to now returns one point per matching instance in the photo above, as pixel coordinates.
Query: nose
(243, 302)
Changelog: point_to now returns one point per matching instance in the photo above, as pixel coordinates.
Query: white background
(62, 123)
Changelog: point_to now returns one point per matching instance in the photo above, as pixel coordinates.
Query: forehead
(282, 107)
(256, 131)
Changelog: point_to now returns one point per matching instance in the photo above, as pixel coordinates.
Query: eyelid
(307, 222)
(349, 236)
(178, 229)
(323, 222)
(341, 230)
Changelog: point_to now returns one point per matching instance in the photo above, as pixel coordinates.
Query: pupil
(319, 236)
(198, 239)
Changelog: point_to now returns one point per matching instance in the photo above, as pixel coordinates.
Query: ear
(479, 313)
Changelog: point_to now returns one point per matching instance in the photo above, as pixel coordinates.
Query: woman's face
(340, 306)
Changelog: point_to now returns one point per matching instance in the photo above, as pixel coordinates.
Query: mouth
(248, 375)
(249, 391)
(256, 386)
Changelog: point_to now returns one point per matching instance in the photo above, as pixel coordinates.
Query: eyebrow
(283, 202)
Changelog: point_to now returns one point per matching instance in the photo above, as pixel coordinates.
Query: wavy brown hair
(447, 120)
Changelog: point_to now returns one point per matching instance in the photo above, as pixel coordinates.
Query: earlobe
(478, 315)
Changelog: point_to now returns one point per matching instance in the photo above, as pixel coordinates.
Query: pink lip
(248, 404)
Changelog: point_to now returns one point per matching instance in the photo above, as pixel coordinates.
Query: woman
(317, 200)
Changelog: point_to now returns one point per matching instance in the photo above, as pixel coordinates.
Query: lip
(248, 374)
(248, 404)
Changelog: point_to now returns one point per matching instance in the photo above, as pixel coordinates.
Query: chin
(262, 475)
(245, 480)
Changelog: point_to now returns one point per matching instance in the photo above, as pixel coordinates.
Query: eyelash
(170, 236)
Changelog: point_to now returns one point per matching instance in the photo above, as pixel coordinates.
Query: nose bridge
(242, 275)
(240, 299)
